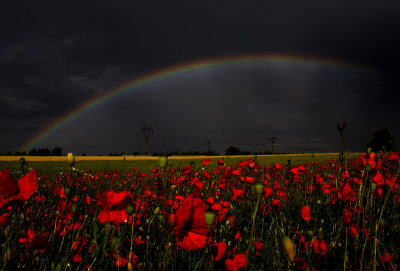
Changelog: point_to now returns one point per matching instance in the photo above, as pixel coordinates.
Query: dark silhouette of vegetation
(382, 140)
(233, 150)
(57, 151)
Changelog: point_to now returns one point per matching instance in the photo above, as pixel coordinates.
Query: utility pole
(147, 132)
(273, 141)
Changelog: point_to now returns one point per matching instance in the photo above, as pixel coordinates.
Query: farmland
(316, 212)
(55, 164)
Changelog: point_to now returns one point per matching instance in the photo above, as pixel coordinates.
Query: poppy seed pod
(70, 159)
(209, 217)
(259, 188)
(373, 186)
(163, 161)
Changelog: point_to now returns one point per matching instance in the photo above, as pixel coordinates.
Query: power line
(211, 140)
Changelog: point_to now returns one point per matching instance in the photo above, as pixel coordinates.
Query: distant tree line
(57, 151)
(381, 140)
(231, 150)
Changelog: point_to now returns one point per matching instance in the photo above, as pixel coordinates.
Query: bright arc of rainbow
(181, 70)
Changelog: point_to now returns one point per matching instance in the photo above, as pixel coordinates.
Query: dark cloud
(55, 56)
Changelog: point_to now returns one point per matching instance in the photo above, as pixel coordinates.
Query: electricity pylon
(147, 132)
(273, 141)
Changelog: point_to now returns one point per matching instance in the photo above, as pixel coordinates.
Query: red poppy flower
(378, 179)
(328, 188)
(35, 241)
(77, 246)
(352, 230)
(190, 227)
(268, 191)
(258, 246)
(276, 203)
(10, 189)
(114, 205)
(387, 257)
(186, 170)
(249, 180)
(216, 206)
(280, 194)
(4, 221)
(237, 193)
(206, 161)
(368, 159)
(346, 192)
(305, 213)
(238, 261)
(236, 172)
(220, 250)
(265, 208)
(347, 215)
(301, 264)
(278, 166)
(220, 162)
(320, 247)
(199, 185)
(393, 156)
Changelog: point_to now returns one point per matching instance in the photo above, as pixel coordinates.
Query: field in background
(55, 164)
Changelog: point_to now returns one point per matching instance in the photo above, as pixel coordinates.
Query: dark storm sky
(57, 55)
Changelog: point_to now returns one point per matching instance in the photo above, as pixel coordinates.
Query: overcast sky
(57, 55)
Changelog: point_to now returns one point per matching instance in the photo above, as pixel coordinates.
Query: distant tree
(32, 152)
(382, 140)
(43, 152)
(56, 151)
(233, 150)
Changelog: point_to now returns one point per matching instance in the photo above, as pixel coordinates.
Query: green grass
(54, 167)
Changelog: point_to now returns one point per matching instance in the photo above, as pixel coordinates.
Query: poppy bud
(129, 266)
(70, 159)
(163, 161)
(369, 150)
(373, 186)
(157, 210)
(341, 126)
(9, 254)
(73, 208)
(209, 217)
(289, 247)
(129, 209)
(67, 191)
(259, 188)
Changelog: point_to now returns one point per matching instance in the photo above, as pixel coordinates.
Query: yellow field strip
(127, 157)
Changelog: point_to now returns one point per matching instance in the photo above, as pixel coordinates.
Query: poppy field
(337, 214)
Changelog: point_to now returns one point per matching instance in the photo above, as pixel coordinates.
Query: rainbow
(181, 71)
